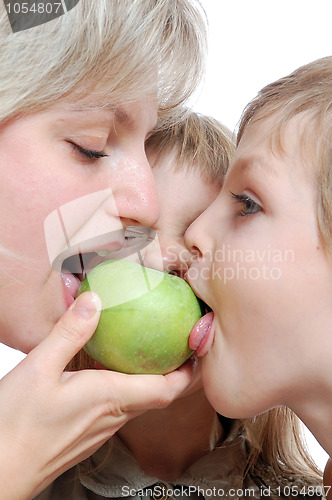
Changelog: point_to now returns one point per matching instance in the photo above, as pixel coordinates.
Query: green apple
(146, 318)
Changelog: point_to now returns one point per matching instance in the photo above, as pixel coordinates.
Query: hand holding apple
(146, 318)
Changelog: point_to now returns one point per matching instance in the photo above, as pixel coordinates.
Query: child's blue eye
(248, 205)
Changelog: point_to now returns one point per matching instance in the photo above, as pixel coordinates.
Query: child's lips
(201, 337)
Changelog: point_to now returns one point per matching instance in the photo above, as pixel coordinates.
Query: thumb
(71, 332)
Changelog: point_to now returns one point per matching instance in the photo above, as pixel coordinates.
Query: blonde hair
(125, 49)
(307, 90)
(200, 143)
(278, 447)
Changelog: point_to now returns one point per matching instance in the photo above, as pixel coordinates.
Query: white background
(252, 43)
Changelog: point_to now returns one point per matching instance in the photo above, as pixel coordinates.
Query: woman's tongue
(70, 285)
(74, 270)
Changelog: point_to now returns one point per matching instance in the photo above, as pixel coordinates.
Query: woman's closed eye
(248, 205)
(88, 154)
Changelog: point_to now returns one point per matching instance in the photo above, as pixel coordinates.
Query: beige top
(218, 474)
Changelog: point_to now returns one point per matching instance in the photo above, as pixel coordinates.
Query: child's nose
(194, 240)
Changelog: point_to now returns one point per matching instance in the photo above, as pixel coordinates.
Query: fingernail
(86, 305)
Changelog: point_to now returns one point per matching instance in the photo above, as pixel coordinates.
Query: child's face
(183, 196)
(262, 269)
(61, 195)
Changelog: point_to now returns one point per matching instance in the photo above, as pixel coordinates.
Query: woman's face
(261, 267)
(72, 178)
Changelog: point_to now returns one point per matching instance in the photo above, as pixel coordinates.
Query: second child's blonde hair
(198, 142)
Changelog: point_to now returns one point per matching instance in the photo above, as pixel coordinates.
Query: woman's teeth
(104, 253)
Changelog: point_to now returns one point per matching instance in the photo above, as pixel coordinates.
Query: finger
(71, 333)
(145, 392)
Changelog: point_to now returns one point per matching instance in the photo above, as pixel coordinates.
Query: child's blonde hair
(308, 90)
(123, 49)
(199, 142)
(278, 447)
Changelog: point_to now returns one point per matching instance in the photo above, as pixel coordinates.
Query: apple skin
(146, 318)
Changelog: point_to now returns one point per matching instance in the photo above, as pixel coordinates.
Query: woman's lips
(201, 337)
(80, 264)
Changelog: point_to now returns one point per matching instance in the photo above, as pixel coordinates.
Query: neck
(314, 408)
(166, 442)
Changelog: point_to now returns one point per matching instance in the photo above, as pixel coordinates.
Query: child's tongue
(70, 285)
(200, 334)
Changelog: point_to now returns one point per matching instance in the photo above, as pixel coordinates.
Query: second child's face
(263, 270)
(183, 196)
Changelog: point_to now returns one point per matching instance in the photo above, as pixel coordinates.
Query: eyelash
(243, 199)
(89, 154)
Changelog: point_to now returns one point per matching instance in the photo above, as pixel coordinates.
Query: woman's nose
(136, 198)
